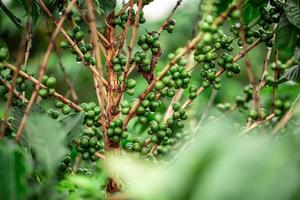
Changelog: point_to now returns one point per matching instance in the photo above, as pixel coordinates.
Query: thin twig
(131, 44)
(221, 71)
(165, 23)
(66, 77)
(101, 94)
(276, 74)
(285, 119)
(42, 70)
(71, 42)
(14, 82)
(16, 93)
(255, 124)
(187, 49)
(35, 81)
(100, 36)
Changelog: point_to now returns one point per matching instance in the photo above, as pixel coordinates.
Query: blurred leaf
(218, 164)
(84, 187)
(15, 169)
(297, 54)
(66, 185)
(47, 138)
(223, 5)
(106, 6)
(286, 29)
(36, 11)
(292, 12)
(12, 17)
(292, 74)
(257, 2)
(73, 125)
(32, 8)
(17, 113)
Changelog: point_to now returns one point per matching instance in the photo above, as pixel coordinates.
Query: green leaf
(18, 112)
(48, 139)
(257, 2)
(223, 5)
(12, 17)
(36, 11)
(249, 13)
(73, 125)
(286, 29)
(297, 54)
(32, 8)
(106, 6)
(292, 74)
(292, 12)
(235, 167)
(15, 169)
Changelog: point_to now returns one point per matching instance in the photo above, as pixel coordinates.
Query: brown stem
(128, 23)
(100, 93)
(131, 44)
(100, 36)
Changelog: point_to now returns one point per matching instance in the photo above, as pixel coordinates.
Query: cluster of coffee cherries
(178, 117)
(119, 63)
(226, 61)
(159, 131)
(177, 77)
(147, 108)
(122, 20)
(49, 90)
(125, 107)
(115, 131)
(89, 145)
(130, 85)
(137, 145)
(64, 167)
(21, 85)
(271, 14)
(53, 113)
(224, 107)
(92, 114)
(4, 53)
(281, 106)
(169, 147)
(170, 25)
(65, 109)
(142, 61)
(150, 41)
(21, 82)
(77, 35)
(258, 114)
(280, 67)
(241, 102)
(250, 33)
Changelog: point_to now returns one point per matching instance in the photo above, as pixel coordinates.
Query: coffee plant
(84, 81)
